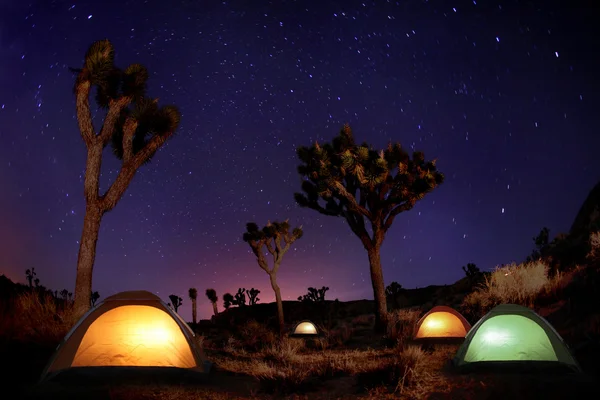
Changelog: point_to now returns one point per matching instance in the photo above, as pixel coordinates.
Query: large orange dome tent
(129, 329)
(442, 322)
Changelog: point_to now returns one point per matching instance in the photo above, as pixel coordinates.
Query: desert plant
(471, 270)
(401, 326)
(366, 187)
(277, 239)
(64, 294)
(392, 294)
(253, 296)
(193, 295)
(314, 295)
(176, 301)
(227, 300)
(239, 299)
(94, 298)
(541, 242)
(594, 245)
(135, 126)
(30, 275)
(211, 294)
(254, 336)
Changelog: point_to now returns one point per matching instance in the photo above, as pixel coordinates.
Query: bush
(401, 325)
(254, 336)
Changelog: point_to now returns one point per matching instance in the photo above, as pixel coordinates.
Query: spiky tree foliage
(136, 128)
(392, 294)
(368, 188)
(193, 295)
(227, 300)
(176, 301)
(276, 238)
(239, 299)
(30, 274)
(211, 294)
(314, 295)
(253, 296)
(94, 298)
(471, 270)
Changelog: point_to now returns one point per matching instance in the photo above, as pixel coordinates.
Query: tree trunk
(215, 310)
(194, 315)
(86, 258)
(378, 289)
(278, 300)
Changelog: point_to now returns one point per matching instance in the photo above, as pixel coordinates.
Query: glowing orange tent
(129, 329)
(442, 322)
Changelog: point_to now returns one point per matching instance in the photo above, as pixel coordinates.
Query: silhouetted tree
(211, 294)
(392, 293)
(70, 296)
(193, 294)
(253, 296)
(277, 239)
(176, 301)
(227, 300)
(30, 274)
(36, 282)
(64, 294)
(314, 295)
(94, 298)
(56, 294)
(366, 188)
(239, 299)
(471, 270)
(541, 242)
(134, 125)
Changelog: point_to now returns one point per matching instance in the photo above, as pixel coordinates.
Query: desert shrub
(37, 318)
(411, 362)
(594, 245)
(285, 350)
(284, 378)
(254, 336)
(401, 325)
(518, 284)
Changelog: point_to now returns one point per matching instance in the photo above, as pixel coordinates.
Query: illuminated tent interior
(305, 328)
(442, 322)
(510, 335)
(129, 329)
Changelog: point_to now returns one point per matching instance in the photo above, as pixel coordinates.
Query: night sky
(504, 95)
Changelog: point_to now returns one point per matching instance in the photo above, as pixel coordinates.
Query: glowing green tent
(514, 336)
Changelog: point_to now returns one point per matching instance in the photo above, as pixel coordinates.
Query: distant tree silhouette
(211, 294)
(392, 293)
(277, 239)
(227, 300)
(239, 299)
(314, 295)
(176, 301)
(367, 188)
(471, 270)
(253, 296)
(70, 296)
(94, 298)
(541, 242)
(135, 126)
(64, 294)
(30, 274)
(193, 295)
(36, 282)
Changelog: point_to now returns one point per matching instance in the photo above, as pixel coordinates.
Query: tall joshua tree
(135, 127)
(365, 187)
(176, 301)
(211, 294)
(193, 294)
(94, 298)
(277, 239)
(30, 274)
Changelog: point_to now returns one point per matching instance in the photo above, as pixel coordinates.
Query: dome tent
(305, 329)
(514, 337)
(133, 329)
(441, 322)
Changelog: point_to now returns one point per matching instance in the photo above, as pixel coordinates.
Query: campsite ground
(348, 362)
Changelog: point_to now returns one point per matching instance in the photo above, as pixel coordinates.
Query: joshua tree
(94, 298)
(277, 239)
(240, 297)
(541, 245)
(135, 126)
(176, 301)
(314, 295)
(368, 188)
(471, 270)
(70, 296)
(193, 295)
(64, 294)
(211, 294)
(30, 274)
(392, 292)
(36, 282)
(227, 300)
(253, 296)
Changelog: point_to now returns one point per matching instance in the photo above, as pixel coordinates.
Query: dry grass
(37, 318)
(401, 325)
(516, 283)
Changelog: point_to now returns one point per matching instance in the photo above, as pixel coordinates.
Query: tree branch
(352, 204)
(114, 112)
(129, 129)
(395, 211)
(84, 116)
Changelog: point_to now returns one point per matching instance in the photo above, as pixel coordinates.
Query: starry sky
(503, 94)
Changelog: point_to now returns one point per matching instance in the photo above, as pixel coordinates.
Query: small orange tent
(442, 322)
